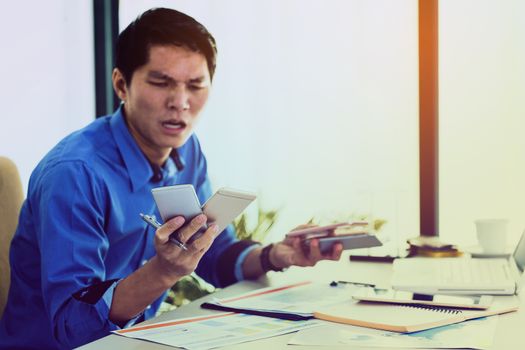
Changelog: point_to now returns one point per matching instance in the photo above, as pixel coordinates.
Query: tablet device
(480, 302)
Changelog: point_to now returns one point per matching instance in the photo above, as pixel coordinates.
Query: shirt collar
(139, 168)
(136, 163)
(173, 164)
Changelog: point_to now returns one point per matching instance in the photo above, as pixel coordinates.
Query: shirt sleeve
(104, 290)
(69, 216)
(239, 275)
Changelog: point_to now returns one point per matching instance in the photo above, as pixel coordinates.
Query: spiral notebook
(407, 318)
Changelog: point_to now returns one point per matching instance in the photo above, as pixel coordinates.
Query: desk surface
(508, 334)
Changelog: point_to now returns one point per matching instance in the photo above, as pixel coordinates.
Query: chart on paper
(216, 330)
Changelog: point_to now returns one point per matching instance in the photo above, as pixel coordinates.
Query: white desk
(510, 332)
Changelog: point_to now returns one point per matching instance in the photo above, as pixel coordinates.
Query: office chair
(11, 198)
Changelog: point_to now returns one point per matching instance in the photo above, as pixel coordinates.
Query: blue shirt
(80, 232)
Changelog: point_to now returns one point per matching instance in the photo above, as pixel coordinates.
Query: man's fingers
(331, 233)
(192, 227)
(336, 251)
(204, 242)
(164, 232)
(315, 253)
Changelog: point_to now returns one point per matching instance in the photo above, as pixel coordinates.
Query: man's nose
(179, 99)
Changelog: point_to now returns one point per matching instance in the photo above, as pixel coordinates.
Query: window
(47, 77)
(482, 116)
(314, 106)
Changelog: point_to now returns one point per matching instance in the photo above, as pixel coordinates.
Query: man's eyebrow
(159, 75)
(197, 80)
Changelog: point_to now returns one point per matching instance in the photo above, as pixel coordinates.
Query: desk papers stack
(335, 304)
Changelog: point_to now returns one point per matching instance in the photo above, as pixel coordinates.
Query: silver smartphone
(178, 200)
(353, 241)
(480, 302)
(225, 205)
(221, 208)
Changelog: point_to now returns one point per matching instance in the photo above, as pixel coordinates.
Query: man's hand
(173, 260)
(171, 263)
(287, 253)
(291, 252)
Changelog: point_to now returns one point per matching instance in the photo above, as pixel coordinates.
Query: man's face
(164, 99)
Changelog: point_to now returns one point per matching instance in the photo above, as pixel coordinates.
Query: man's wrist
(266, 261)
(166, 276)
(277, 258)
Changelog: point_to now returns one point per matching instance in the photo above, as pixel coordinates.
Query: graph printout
(211, 331)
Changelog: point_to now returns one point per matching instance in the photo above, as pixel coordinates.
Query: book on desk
(405, 318)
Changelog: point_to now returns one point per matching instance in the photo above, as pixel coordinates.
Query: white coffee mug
(492, 235)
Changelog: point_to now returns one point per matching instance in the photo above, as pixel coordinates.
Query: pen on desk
(372, 258)
(335, 283)
(152, 222)
(283, 315)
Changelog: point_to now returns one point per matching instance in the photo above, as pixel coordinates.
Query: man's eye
(196, 87)
(159, 83)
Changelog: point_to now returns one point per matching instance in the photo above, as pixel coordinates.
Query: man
(83, 263)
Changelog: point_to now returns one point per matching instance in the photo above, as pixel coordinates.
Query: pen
(283, 315)
(373, 258)
(334, 283)
(152, 222)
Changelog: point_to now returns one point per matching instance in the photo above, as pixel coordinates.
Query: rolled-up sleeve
(73, 247)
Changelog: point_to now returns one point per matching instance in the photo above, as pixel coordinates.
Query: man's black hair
(162, 26)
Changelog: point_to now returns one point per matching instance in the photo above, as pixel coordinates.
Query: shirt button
(148, 307)
(157, 177)
(144, 262)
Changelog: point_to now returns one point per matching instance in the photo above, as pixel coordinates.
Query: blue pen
(152, 222)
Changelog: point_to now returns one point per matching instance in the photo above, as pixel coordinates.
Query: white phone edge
(231, 192)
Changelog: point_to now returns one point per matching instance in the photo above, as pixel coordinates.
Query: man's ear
(119, 84)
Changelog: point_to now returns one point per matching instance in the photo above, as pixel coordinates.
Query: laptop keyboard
(481, 271)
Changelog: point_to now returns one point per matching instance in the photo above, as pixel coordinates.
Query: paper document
(474, 334)
(300, 299)
(336, 304)
(206, 332)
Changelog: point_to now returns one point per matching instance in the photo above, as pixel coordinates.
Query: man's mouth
(174, 125)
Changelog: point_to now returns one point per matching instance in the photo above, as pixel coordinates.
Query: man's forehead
(164, 61)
